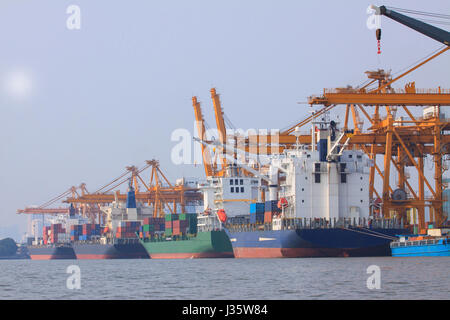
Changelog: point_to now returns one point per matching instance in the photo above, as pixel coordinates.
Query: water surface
(316, 278)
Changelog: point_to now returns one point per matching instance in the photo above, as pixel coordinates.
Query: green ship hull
(209, 244)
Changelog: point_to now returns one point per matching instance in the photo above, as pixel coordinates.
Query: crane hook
(378, 34)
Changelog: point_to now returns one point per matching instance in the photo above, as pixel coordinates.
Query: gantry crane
(210, 168)
(402, 142)
(220, 122)
(159, 193)
(85, 210)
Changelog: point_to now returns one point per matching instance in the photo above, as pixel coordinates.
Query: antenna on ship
(297, 134)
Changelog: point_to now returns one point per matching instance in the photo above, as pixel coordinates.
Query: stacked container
(76, 230)
(151, 226)
(55, 230)
(180, 224)
(128, 229)
(192, 220)
(257, 213)
(239, 220)
(270, 208)
(45, 234)
(84, 232)
(54, 233)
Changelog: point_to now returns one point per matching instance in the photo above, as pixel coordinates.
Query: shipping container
(268, 217)
(257, 207)
(256, 218)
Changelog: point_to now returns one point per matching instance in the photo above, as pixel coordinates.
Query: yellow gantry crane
(199, 120)
(159, 193)
(402, 142)
(220, 122)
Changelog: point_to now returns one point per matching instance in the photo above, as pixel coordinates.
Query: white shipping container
(434, 232)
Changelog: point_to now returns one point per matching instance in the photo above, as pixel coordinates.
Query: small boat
(434, 244)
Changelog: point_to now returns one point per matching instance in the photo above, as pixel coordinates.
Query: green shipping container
(182, 216)
(172, 217)
(146, 228)
(168, 232)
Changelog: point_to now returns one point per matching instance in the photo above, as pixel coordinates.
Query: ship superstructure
(322, 199)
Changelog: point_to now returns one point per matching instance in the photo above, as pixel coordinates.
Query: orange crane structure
(159, 192)
(402, 142)
(210, 168)
(88, 211)
(220, 122)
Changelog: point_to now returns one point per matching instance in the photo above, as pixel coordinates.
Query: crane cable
(405, 68)
(371, 234)
(126, 178)
(228, 121)
(423, 13)
(426, 14)
(53, 200)
(119, 177)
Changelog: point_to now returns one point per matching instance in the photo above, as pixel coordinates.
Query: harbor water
(241, 279)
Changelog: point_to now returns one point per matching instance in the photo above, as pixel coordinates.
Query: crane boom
(422, 27)
(202, 135)
(220, 122)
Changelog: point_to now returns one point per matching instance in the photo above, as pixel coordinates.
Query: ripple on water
(333, 278)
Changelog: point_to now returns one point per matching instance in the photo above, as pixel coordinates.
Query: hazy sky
(80, 105)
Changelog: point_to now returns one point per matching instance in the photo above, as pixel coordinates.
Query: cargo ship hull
(92, 251)
(305, 243)
(208, 244)
(51, 252)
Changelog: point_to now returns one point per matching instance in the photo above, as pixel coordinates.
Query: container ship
(436, 243)
(51, 251)
(54, 245)
(185, 236)
(318, 203)
(117, 240)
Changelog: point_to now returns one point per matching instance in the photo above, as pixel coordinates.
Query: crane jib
(422, 27)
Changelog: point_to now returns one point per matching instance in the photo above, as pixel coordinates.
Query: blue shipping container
(256, 218)
(257, 207)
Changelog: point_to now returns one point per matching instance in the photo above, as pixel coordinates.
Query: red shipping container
(268, 217)
(176, 224)
(168, 224)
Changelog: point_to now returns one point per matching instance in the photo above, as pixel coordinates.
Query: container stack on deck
(128, 229)
(84, 232)
(257, 213)
(54, 234)
(151, 227)
(76, 230)
(270, 208)
(180, 224)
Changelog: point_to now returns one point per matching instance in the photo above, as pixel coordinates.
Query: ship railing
(320, 223)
